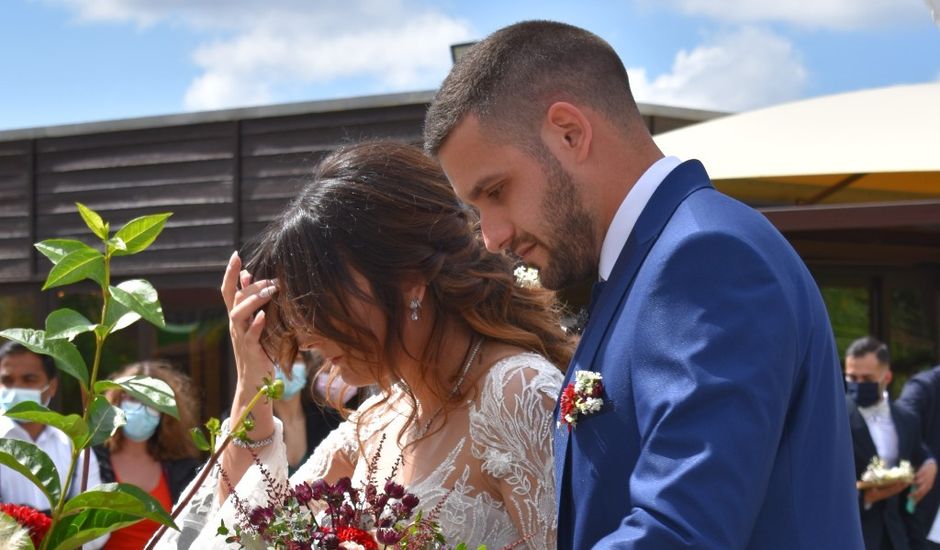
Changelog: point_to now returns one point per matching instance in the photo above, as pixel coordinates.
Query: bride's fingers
(249, 304)
(257, 287)
(254, 330)
(229, 280)
(244, 278)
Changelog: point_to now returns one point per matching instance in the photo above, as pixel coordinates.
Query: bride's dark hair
(386, 211)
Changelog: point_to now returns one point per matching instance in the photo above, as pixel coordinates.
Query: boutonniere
(581, 398)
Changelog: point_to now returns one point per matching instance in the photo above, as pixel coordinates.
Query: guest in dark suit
(921, 396)
(883, 429)
(722, 422)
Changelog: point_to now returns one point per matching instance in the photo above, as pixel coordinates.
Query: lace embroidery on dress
(508, 438)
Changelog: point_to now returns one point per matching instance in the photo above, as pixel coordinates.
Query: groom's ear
(567, 132)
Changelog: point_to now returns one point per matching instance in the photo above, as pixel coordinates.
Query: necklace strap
(453, 391)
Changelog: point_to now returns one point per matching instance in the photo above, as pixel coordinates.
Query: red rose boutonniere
(581, 398)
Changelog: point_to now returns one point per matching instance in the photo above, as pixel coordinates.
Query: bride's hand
(246, 322)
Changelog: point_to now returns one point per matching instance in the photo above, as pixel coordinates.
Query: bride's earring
(415, 305)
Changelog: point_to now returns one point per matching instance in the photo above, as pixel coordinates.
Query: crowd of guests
(153, 451)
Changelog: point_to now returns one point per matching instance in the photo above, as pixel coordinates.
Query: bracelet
(246, 444)
(252, 444)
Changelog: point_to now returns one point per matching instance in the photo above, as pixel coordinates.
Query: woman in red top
(153, 451)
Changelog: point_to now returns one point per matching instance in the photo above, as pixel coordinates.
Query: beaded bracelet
(247, 444)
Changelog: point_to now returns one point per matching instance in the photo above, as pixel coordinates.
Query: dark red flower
(388, 535)
(36, 522)
(566, 405)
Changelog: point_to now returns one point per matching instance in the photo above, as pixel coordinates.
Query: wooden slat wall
(279, 154)
(15, 245)
(187, 170)
(224, 181)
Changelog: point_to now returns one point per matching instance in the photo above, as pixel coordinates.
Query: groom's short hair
(509, 79)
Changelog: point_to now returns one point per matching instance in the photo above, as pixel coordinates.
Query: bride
(379, 267)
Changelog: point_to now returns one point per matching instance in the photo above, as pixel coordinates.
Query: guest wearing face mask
(27, 376)
(152, 450)
(879, 428)
(309, 414)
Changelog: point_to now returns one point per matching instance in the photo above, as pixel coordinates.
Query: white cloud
(264, 50)
(831, 14)
(748, 68)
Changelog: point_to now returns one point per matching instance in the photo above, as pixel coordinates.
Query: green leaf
(67, 323)
(120, 497)
(199, 439)
(104, 421)
(138, 295)
(73, 425)
(115, 244)
(149, 391)
(140, 233)
(66, 355)
(72, 531)
(84, 263)
(93, 221)
(35, 465)
(56, 249)
(119, 317)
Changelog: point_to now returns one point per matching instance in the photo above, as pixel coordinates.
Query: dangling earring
(415, 305)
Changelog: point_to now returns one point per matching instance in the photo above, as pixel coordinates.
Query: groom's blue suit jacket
(724, 423)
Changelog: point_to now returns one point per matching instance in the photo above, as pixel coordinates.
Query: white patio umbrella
(871, 145)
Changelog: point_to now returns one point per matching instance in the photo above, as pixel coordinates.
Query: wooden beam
(855, 216)
(831, 190)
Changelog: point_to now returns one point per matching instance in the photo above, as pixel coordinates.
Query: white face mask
(9, 397)
(337, 391)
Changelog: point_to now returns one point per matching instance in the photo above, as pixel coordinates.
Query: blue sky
(67, 61)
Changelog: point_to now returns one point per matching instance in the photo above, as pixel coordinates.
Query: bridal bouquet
(319, 515)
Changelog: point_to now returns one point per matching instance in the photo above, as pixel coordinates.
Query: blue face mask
(142, 421)
(297, 382)
(865, 394)
(9, 397)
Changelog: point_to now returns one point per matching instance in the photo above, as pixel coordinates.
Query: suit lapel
(862, 437)
(688, 177)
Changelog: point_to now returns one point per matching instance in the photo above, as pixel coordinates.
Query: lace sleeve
(511, 430)
(200, 520)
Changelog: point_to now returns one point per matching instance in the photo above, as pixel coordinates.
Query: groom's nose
(497, 233)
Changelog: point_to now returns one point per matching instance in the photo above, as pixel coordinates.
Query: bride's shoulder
(512, 368)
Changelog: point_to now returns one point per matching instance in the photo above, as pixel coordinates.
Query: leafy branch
(110, 506)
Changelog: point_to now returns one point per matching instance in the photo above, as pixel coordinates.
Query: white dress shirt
(16, 489)
(629, 212)
(881, 428)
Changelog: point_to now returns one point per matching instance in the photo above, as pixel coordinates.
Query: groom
(723, 422)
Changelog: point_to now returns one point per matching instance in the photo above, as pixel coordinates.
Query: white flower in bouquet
(878, 472)
(527, 277)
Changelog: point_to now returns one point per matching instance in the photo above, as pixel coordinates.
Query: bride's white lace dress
(495, 456)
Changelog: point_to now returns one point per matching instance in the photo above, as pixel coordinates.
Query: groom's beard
(570, 241)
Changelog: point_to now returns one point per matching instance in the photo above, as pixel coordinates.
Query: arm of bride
(512, 435)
